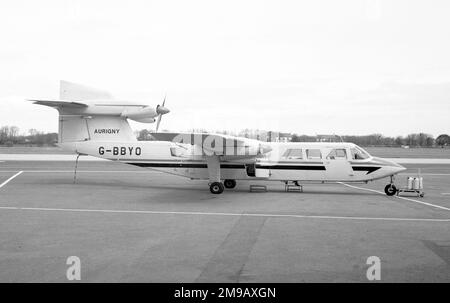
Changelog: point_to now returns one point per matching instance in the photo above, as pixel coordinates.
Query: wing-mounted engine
(227, 147)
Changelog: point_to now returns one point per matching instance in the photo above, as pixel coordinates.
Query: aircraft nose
(401, 168)
(397, 168)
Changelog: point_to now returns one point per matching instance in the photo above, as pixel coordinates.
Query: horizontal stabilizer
(59, 103)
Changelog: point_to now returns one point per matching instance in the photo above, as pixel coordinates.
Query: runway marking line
(129, 171)
(133, 171)
(81, 171)
(137, 171)
(426, 174)
(218, 214)
(6, 182)
(348, 185)
(395, 196)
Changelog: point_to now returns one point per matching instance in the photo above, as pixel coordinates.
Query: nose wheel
(216, 187)
(390, 189)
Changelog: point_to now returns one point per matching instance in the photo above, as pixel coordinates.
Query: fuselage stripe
(223, 165)
(185, 165)
(292, 167)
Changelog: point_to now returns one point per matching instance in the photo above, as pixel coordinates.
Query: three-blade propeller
(161, 110)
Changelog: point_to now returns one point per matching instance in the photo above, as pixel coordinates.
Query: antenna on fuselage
(342, 141)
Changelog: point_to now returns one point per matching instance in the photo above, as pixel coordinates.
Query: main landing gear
(216, 187)
(215, 184)
(229, 183)
(390, 189)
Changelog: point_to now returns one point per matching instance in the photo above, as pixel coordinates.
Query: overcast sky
(311, 67)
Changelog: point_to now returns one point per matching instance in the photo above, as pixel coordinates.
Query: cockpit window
(293, 154)
(337, 153)
(359, 154)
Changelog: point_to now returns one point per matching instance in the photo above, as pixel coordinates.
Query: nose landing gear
(390, 189)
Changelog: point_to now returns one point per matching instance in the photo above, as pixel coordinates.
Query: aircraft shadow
(201, 188)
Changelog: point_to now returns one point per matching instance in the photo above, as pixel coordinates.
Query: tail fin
(82, 119)
(75, 128)
(76, 92)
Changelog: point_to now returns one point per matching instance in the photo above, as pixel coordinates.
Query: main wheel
(216, 187)
(390, 189)
(229, 183)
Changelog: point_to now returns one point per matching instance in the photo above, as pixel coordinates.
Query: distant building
(278, 137)
(284, 137)
(328, 138)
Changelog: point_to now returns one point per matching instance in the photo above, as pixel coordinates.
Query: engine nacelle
(144, 115)
(231, 149)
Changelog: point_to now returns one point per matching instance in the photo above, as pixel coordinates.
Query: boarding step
(258, 188)
(292, 187)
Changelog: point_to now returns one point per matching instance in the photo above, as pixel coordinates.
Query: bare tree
(144, 135)
(4, 131)
(13, 133)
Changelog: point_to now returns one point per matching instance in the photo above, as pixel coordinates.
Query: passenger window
(293, 154)
(313, 154)
(337, 153)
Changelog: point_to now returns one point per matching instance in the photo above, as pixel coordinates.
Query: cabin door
(337, 166)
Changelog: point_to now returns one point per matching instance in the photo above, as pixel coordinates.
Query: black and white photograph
(237, 145)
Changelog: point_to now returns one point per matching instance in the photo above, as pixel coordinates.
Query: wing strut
(75, 171)
(213, 163)
(76, 167)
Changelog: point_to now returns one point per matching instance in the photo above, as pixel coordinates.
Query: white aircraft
(92, 123)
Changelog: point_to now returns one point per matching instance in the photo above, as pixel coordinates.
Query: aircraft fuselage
(316, 162)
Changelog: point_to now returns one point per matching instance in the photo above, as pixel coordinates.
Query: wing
(218, 144)
(216, 148)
